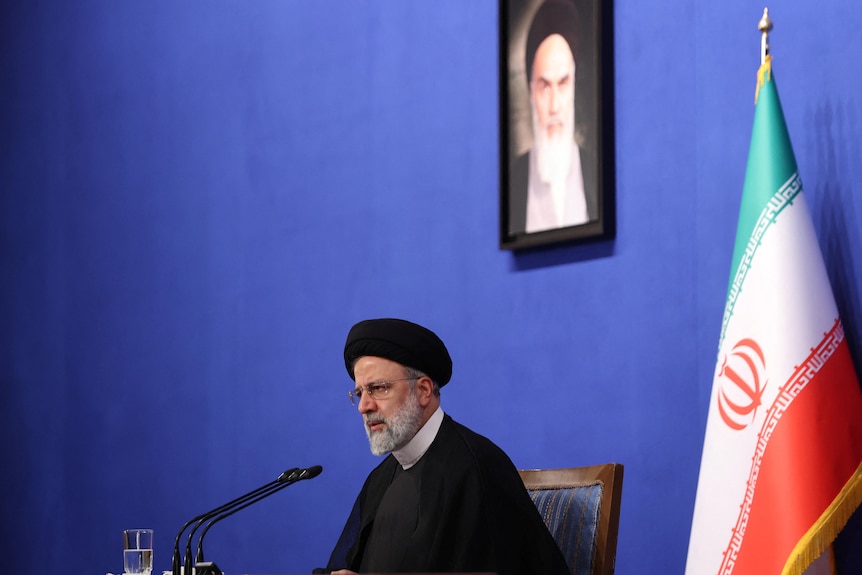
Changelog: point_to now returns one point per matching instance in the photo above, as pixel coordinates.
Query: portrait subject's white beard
(400, 427)
(553, 153)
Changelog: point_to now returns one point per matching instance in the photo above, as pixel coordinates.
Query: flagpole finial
(765, 25)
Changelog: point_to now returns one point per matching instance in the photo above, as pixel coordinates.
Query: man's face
(552, 88)
(392, 421)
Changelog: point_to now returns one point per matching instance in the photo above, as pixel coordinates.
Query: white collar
(408, 455)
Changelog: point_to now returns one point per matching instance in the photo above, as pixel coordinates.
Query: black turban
(552, 17)
(401, 341)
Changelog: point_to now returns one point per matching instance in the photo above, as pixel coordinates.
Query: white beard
(400, 427)
(553, 154)
(555, 193)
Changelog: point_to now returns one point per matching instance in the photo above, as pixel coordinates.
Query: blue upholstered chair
(581, 507)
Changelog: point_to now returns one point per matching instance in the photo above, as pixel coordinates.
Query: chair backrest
(581, 507)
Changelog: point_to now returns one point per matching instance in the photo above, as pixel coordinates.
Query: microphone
(310, 472)
(204, 516)
(202, 568)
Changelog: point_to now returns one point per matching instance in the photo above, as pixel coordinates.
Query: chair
(581, 507)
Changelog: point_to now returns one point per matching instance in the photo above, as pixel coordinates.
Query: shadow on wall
(837, 223)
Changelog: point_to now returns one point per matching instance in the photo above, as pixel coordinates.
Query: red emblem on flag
(741, 384)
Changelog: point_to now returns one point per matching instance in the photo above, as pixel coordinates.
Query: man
(547, 183)
(444, 499)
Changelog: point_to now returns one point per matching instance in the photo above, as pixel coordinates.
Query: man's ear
(425, 390)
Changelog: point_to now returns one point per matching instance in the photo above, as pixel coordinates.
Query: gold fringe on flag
(764, 73)
(827, 527)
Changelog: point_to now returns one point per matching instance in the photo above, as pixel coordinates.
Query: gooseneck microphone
(298, 475)
(209, 518)
(220, 509)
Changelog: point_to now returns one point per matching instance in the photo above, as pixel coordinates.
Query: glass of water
(138, 551)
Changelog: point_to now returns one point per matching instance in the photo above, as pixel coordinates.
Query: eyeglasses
(376, 389)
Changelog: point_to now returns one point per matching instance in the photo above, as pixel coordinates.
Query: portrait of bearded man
(553, 184)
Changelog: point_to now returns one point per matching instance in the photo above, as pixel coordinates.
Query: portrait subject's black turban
(552, 17)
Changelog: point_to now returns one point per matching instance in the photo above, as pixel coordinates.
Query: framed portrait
(556, 122)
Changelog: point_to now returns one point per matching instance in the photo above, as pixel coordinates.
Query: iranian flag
(781, 470)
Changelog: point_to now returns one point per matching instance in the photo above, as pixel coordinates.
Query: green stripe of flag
(771, 184)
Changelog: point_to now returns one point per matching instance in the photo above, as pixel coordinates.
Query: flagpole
(765, 25)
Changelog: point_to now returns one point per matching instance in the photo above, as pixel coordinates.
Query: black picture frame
(593, 124)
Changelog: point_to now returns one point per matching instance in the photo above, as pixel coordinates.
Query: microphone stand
(202, 567)
(176, 562)
(209, 568)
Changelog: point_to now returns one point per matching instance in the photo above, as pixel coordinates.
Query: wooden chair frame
(611, 476)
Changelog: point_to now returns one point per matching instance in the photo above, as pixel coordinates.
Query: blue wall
(199, 199)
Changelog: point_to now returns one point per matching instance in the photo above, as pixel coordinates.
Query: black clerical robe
(519, 183)
(469, 509)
